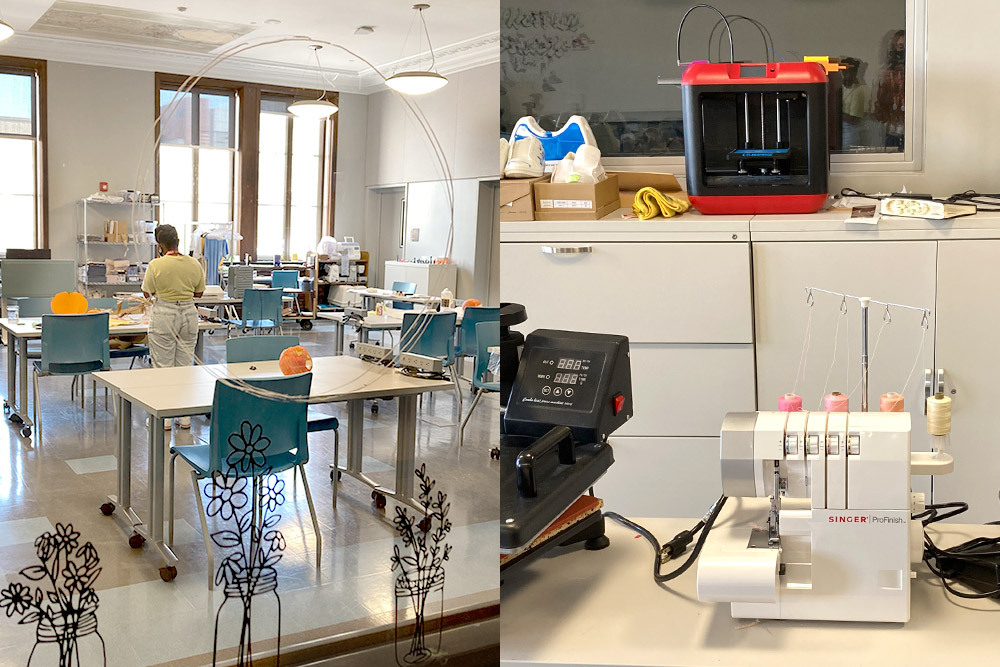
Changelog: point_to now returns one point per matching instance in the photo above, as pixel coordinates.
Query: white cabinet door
(686, 390)
(899, 272)
(968, 330)
(661, 477)
(652, 292)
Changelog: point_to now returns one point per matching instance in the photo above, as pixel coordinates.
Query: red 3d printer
(755, 137)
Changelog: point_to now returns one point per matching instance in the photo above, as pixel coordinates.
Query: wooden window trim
(248, 96)
(38, 68)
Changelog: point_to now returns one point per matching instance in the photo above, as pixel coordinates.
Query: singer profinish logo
(865, 518)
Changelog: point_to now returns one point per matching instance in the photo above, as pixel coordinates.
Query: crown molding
(457, 57)
(452, 58)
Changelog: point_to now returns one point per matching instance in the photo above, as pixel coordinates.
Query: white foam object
(841, 541)
(563, 169)
(587, 164)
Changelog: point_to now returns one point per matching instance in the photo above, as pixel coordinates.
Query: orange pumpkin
(68, 303)
(295, 360)
(472, 303)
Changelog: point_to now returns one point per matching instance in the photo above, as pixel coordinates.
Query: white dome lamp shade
(5, 30)
(318, 109)
(418, 82)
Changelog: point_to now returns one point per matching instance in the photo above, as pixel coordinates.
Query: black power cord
(675, 547)
(936, 558)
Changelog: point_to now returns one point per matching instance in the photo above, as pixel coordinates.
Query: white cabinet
(968, 322)
(429, 279)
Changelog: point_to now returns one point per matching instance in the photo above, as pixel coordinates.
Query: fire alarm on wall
(103, 186)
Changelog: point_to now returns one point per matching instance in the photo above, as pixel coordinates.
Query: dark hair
(166, 236)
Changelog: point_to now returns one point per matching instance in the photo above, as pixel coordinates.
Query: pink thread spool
(836, 402)
(890, 402)
(790, 403)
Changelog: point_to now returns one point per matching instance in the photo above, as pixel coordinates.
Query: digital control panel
(560, 381)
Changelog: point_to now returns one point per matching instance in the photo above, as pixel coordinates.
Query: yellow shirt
(174, 278)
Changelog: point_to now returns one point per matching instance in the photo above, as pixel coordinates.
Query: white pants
(173, 333)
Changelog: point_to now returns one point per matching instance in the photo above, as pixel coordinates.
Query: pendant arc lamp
(418, 82)
(319, 108)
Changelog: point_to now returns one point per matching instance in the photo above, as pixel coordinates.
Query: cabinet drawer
(686, 390)
(661, 477)
(652, 292)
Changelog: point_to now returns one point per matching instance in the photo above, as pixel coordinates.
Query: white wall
(98, 118)
(349, 208)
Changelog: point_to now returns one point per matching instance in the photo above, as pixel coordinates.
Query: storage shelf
(110, 284)
(90, 202)
(145, 244)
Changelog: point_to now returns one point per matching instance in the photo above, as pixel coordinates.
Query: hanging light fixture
(319, 108)
(418, 82)
(5, 29)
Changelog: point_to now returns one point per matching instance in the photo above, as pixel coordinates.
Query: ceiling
(464, 33)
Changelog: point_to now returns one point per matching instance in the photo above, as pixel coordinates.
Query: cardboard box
(576, 201)
(116, 231)
(630, 182)
(516, 201)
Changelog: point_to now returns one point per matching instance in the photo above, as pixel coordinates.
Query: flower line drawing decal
(63, 605)
(247, 448)
(422, 566)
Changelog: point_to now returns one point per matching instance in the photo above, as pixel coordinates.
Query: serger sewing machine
(836, 541)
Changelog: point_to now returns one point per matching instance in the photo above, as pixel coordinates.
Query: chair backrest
(262, 304)
(75, 344)
(403, 288)
(467, 330)
(487, 336)
(429, 334)
(257, 348)
(285, 278)
(244, 423)
(31, 306)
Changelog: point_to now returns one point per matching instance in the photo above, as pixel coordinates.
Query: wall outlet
(415, 234)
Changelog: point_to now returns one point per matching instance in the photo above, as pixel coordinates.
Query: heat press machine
(571, 392)
(567, 139)
(823, 527)
(755, 137)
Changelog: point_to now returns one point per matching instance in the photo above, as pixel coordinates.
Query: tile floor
(145, 621)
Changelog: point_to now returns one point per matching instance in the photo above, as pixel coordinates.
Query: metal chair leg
(83, 396)
(36, 411)
(93, 397)
(458, 390)
(461, 431)
(204, 530)
(312, 512)
(336, 464)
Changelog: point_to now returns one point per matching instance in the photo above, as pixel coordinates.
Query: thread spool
(836, 402)
(939, 414)
(790, 403)
(890, 402)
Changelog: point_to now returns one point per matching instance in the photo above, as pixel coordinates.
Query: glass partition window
(197, 159)
(292, 174)
(602, 61)
(19, 148)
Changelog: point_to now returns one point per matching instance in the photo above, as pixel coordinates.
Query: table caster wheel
(374, 408)
(15, 418)
(107, 509)
(306, 325)
(136, 541)
(379, 500)
(495, 453)
(335, 475)
(168, 573)
(26, 432)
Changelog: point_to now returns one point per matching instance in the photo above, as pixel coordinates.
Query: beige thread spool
(939, 414)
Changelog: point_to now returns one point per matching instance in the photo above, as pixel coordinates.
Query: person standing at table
(175, 280)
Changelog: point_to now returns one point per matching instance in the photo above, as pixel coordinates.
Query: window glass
(602, 60)
(16, 104)
(213, 127)
(18, 161)
(175, 124)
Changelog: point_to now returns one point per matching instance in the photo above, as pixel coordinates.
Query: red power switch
(618, 403)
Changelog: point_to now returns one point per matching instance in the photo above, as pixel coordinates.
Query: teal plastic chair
(466, 346)
(74, 345)
(432, 335)
(403, 288)
(269, 348)
(250, 418)
(285, 279)
(261, 310)
(487, 336)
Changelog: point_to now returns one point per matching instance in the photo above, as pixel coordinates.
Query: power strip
(419, 362)
(373, 353)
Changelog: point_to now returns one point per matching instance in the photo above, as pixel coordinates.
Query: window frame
(910, 160)
(248, 97)
(37, 70)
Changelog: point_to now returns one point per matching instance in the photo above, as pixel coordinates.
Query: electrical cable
(933, 554)
(676, 546)
(680, 29)
(973, 197)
